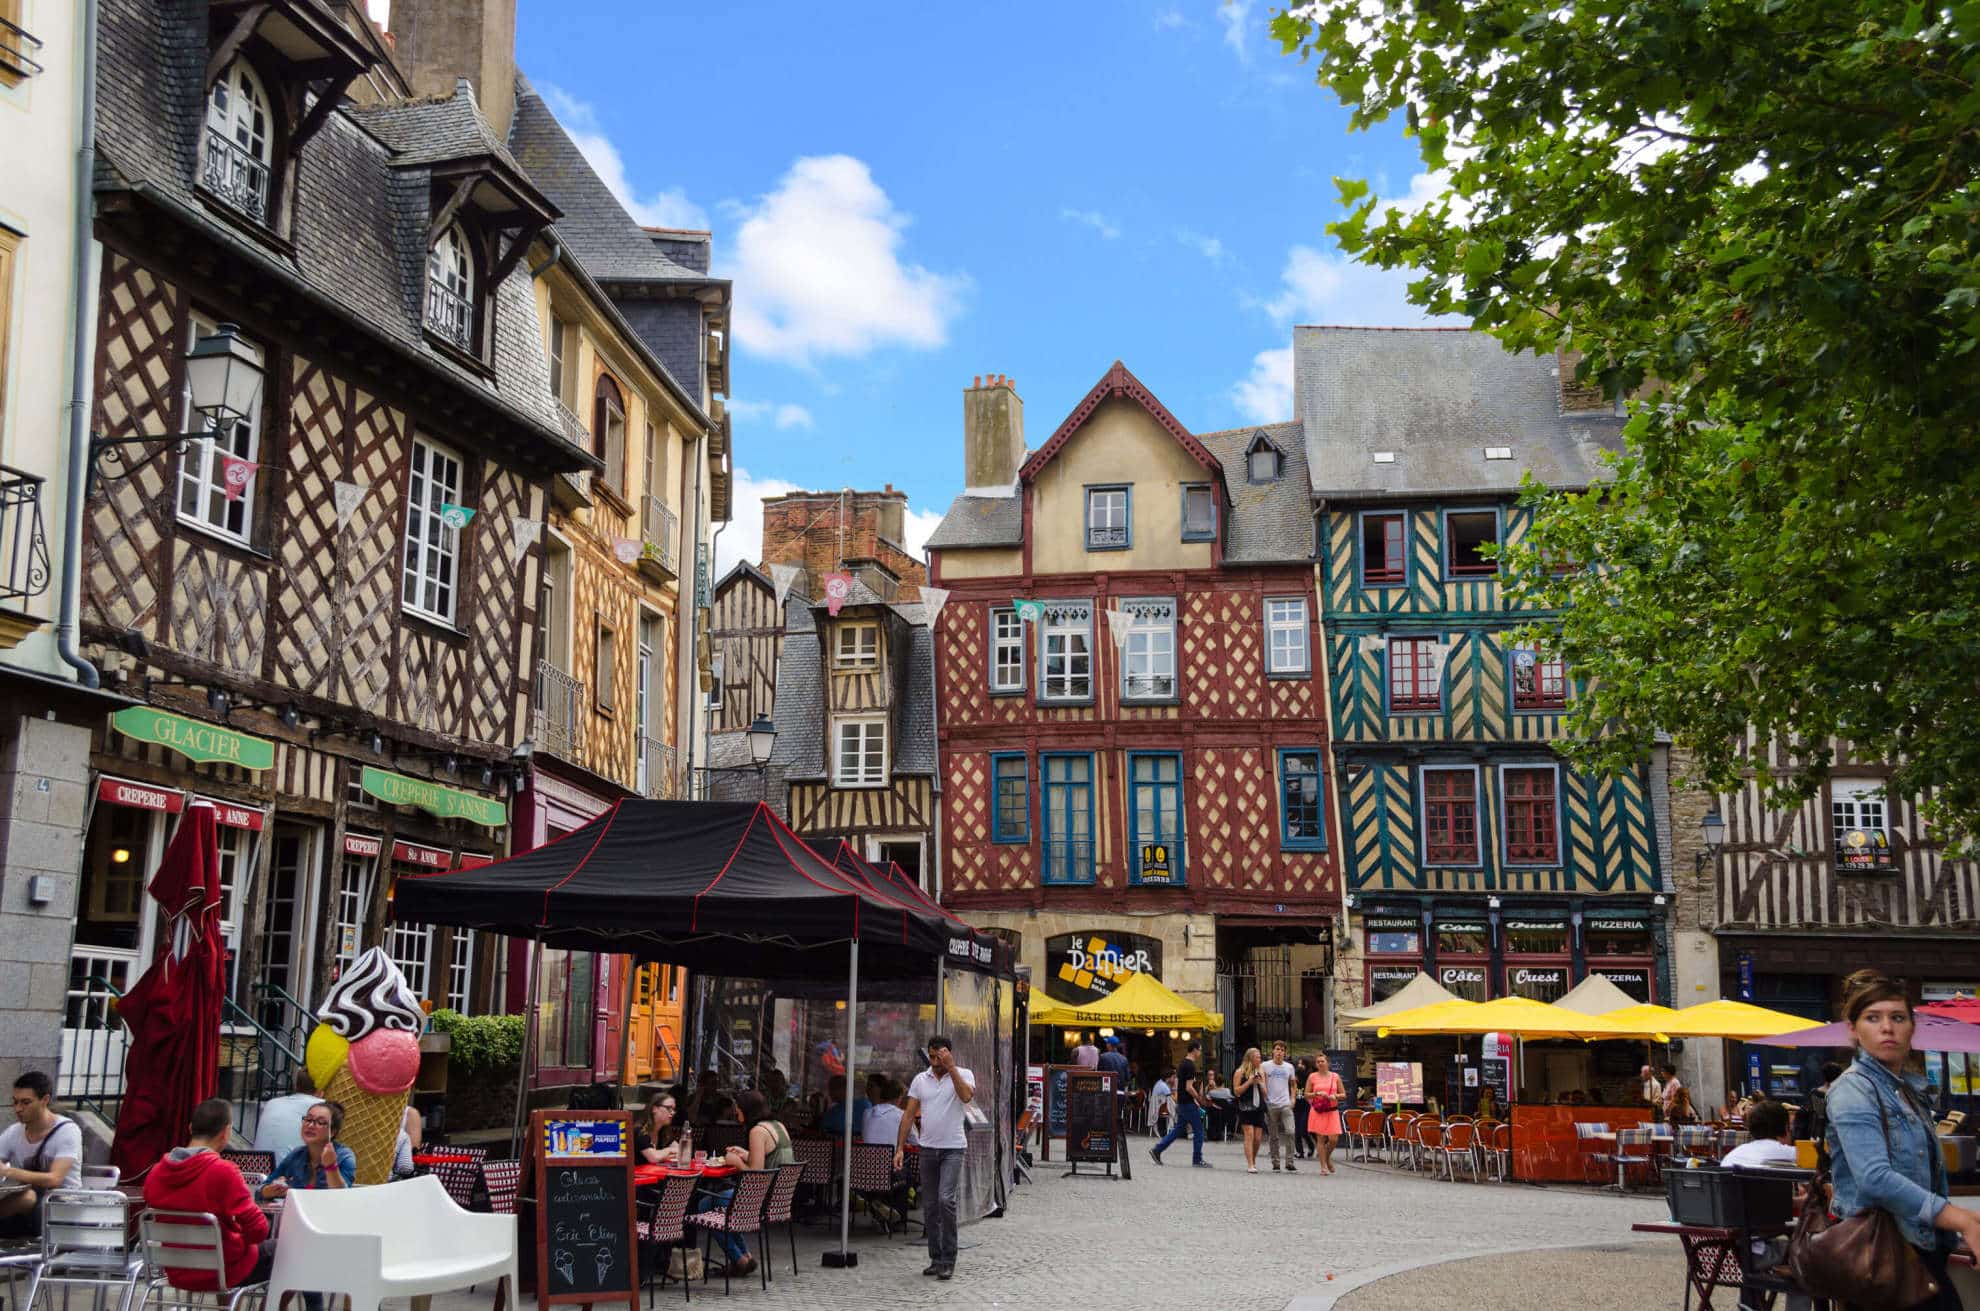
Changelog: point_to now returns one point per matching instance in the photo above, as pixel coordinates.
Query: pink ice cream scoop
(384, 1062)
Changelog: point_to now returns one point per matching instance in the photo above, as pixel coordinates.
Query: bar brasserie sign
(1086, 966)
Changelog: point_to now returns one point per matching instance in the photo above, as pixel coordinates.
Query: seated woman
(715, 1195)
(656, 1140)
(321, 1161)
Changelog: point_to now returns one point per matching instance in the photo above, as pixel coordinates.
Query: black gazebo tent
(723, 888)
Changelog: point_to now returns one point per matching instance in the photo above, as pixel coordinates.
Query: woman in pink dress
(1324, 1095)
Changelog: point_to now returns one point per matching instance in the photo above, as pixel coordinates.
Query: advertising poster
(1399, 1083)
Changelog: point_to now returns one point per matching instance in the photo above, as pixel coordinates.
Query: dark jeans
(715, 1200)
(1948, 1298)
(941, 1200)
(1303, 1144)
(1187, 1118)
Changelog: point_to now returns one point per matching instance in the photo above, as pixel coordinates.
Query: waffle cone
(371, 1126)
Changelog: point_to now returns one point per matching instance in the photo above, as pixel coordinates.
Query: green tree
(1771, 206)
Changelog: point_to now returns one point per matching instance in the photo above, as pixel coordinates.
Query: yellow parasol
(1727, 1019)
(1420, 1019)
(1140, 1003)
(1646, 1021)
(1520, 1016)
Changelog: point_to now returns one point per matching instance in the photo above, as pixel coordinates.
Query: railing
(1099, 535)
(659, 770)
(255, 1063)
(14, 43)
(24, 568)
(449, 316)
(94, 1039)
(661, 529)
(231, 172)
(559, 711)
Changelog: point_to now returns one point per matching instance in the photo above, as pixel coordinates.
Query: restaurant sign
(445, 802)
(1393, 923)
(194, 739)
(1086, 966)
(123, 792)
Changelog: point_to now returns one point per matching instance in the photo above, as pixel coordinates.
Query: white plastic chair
(404, 1239)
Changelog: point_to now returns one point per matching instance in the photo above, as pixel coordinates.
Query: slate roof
(800, 705)
(980, 521)
(433, 131)
(1266, 523)
(1436, 398)
(360, 221)
(595, 226)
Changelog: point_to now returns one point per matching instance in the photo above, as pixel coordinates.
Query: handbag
(1863, 1260)
(1321, 1102)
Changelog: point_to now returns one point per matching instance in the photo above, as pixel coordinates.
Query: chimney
(1578, 397)
(438, 41)
(993, 432)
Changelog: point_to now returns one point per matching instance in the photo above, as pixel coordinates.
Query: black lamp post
(762, 739)
(1714, 830)
(223, 373)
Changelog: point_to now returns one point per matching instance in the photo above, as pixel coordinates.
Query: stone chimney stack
(993, 432)
(438, 41)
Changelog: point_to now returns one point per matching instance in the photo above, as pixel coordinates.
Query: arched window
(450, 288)
(608, 432)
(240, 141)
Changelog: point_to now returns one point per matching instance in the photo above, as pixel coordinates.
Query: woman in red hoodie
(197, 1178)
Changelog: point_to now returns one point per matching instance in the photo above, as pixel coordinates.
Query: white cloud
(1170, 19)
(1208, 247)
(667, 208)
(1319, 286)
(918, 527)
(818, 270)
(1235, 15)
(743, 539)
(1099, 222)
(782, 416)
(1266, 395)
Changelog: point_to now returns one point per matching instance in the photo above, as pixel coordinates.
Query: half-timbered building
(325, 599)
(1473, 850)
(1132, 718)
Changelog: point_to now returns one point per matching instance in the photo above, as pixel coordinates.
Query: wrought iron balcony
(660, 527)
(231, 172)
(659, 770)
(15, 44)
(449, 316)
(559, 712)
(24, 566)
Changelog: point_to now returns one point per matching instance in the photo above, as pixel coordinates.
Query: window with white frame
(857, 646)
(460, 970)
(1106, 518)
(859, 753)
(450, 289)
(433, 543)
(1148, 656)
(353, 910)
(1006, 651)
(233, 846)
(204, 496)
(237, 161)
(1065, 647)
(1286, 649)
(411, 948)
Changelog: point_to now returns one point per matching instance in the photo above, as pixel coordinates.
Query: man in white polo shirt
(938, 1095)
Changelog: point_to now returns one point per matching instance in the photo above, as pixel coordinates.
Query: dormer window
(240, 142)
(450, 289)
(1262, 461)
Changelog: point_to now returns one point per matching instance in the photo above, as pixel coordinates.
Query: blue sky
(911, 195)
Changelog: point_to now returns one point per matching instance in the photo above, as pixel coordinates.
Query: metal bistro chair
(781, 1209)
(187, 1242)
(1634, 1151)
(741, 1216)
(1695, 1142)
(86, 1243)
(1481, 1146)
(820, 1158)
(873, 1182)
(459, 1179)
(1426, 1134)
(1594, 1164)
(261, 1163)
(97, 1178)
(663, 1229)
(1397, 1129)
(504, 1183)
(1458, 1139)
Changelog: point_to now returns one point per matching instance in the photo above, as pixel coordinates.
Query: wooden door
(639, 1025)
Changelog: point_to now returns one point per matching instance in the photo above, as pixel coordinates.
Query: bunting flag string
(237, 474)
(454, 516)
(932, 601)
(522, 535)
(348, 496)
(782, 576)
(1118, 623)
(1028, 611)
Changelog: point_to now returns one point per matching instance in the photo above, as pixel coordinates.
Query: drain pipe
(76, 490)
(698, 701)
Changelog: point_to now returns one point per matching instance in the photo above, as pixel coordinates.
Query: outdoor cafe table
(1711, 1256)
(1662, 1143)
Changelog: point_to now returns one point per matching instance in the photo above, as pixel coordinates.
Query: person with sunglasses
(37, 1153)
(656, 1140)
(321, 1161)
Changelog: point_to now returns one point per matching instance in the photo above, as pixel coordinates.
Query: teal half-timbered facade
(1472, 848)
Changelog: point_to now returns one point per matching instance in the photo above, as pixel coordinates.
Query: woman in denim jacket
(1900, 1171)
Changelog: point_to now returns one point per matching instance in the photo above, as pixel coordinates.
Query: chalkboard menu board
(1055, 1101)
(585, 1251)
(1092, 1117)
(1496, 1071)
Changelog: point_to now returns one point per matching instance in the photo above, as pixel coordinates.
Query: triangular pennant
(1374, 644)
(1030, 612)
(1118, 623)
(347, 495)
(932, 601)
(522, 535)
(837, 588)
(627, 548)
(237, 473)
(1439, 652)
(783, 575)
(455, 516)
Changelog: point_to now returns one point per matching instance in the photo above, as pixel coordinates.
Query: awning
(1595, 995)
(1141, 1002)
(1418, 992)
(1521, 1016)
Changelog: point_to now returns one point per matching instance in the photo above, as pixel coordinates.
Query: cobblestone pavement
(1178, 1236)
(1616, 1277)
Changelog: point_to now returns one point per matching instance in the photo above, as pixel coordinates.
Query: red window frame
(1450, 817)
(1394, 564)
(1546, 686)
(1477, 569)
(1532, 815)
(1411, 669)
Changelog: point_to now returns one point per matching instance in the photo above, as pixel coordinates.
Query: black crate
(1733, 1199)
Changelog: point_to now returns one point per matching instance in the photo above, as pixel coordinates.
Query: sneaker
(934, 1268)
(947, 1272)
(1154, 1156)
(1202, 1165)
(1290, 1168)
(1275, 1167)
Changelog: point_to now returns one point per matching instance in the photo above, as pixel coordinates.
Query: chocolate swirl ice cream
(371, 994)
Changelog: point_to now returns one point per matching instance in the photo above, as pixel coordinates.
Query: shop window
(1302, 812)
(1155, 818)
(1416, 675)
(411, 948)
(563, 1030)
(1468, 981)
(1468, 537)
(1450, 815)
(1148, 656)
(1615, 938)
(460, 971)
(1385, 981)
(1537, 982)
(116, 861)
(1463, 939)
(1532, 818)
(1536, 938)
(353, 907)
(1010, 818)
(1383, 563)
(1633, 981)
(1066, 816)
(1397, 936)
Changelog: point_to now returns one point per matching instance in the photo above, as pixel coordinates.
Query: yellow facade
(1120, 441)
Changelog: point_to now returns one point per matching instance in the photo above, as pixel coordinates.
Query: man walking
(937, 1096)
(1279, 1079)
(1189, 1109)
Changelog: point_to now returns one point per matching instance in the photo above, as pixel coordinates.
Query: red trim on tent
(603, 829)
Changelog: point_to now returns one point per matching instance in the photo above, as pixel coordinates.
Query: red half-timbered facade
(1132, 721)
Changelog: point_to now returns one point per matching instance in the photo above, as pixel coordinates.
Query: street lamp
(1713, 828)
(762, 737)
(223, 375)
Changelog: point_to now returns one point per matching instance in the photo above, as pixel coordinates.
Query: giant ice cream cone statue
(364, 1055)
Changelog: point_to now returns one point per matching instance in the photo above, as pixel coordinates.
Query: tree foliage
(1758, 220)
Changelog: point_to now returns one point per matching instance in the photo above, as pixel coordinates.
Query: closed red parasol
(1965, 1009)
(173, 1012)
